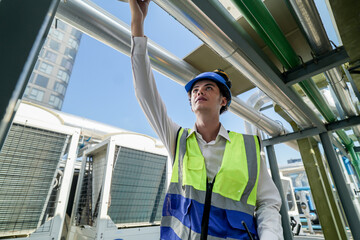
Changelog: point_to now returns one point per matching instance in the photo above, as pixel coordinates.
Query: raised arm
(144, 83)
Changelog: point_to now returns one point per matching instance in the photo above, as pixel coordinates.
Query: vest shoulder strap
(180, 138)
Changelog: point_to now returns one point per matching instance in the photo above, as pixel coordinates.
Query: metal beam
(291, 136)
(219, 15)
(285, 219)
(319, 65)
(24, 26)
(342, 124)
(344, 192)
(349, 122)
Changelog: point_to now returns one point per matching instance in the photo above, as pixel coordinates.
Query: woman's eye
(208, 88)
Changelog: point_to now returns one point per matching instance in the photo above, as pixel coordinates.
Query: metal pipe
(260, 120)
(104, 27)
(337, 82)
(256, 13)
(315, 33)
(316, 36)
(311, 25)
(353, 85)
(256, 101)
(97, 23)
(187, 13)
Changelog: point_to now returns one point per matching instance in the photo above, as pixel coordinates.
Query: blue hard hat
(209, 76)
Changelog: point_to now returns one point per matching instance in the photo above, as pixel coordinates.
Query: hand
(139, 9)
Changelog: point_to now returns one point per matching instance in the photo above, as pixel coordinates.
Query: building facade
(50, 77)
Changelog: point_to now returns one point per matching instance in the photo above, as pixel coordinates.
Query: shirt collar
(222, 132)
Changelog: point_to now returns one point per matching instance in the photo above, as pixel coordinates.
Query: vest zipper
(206, 214)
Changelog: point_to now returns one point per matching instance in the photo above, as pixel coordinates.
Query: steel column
(24, 26)
(327, 185)
(285, 219)
(352, 214)
(329, 214)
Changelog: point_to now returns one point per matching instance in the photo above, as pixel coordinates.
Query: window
(42, 51)
(31, 79)
(41, 81)
(57, 34)
(76, 33)
(70, 52)
(62, 75)
(61, 25)
(59, 88)
(54, 45)
(73, 43)
(36, 94)
(26, 93)
(55, 101)
(37, 64)
(51, 56)
(46, 68)
(66, 64)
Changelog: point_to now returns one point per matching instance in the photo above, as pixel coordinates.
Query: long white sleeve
(268, 205)
(148, 96)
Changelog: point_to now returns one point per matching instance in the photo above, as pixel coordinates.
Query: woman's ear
(223, 101)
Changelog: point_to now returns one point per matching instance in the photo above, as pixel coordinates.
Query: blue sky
(101, 85)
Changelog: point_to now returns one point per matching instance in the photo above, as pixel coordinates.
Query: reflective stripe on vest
(234, 191)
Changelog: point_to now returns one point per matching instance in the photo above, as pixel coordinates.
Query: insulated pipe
(99, 24)
(104, 27)
(256, 13)
(337, 82)
(187, 13)
(314, 31)
(256, 101)
(258, 119)
(311, 24)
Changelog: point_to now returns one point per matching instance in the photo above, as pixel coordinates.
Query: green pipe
(311, 90)
(260, 19)
(266, 26)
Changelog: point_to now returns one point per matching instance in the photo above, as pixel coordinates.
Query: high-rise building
(50, 77)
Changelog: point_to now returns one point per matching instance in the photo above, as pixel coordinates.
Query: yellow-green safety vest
(231, 199)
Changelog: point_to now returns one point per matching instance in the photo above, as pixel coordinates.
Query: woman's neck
(208, 128)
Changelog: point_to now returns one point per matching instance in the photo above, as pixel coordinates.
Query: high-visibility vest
(196, 209)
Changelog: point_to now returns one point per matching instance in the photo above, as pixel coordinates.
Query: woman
(220, 188)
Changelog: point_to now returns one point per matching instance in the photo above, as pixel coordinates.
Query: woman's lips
(201, 99)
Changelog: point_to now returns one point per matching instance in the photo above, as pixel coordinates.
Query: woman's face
(206, 96)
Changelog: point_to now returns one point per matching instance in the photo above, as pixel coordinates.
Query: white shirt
(268, 201)
(212, 151)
